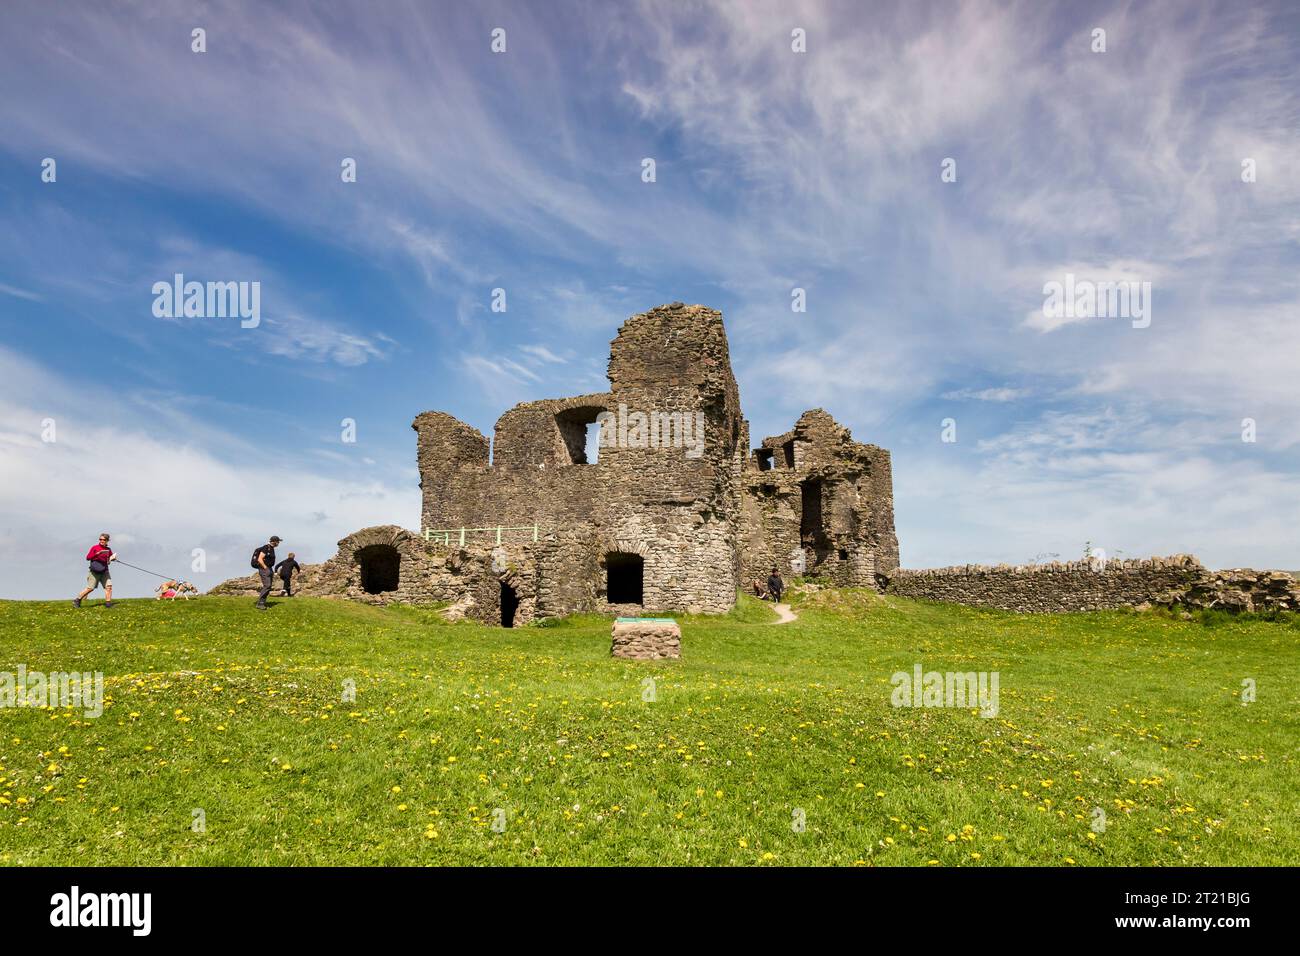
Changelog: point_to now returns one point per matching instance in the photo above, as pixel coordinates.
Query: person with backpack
(286, 569)
(264, 562)
(100, 557)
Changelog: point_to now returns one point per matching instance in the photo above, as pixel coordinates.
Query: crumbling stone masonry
(390, 564)
(1240, 589)
(814, 497)
(660, 522)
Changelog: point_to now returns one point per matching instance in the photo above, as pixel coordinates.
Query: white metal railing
(444, 535)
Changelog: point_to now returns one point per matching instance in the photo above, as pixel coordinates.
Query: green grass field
(214, 706)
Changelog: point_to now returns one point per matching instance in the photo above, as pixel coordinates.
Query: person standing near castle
(775, 585)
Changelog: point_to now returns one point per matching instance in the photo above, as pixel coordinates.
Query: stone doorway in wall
(509, 605)
(381, 568)
(624, 578)
(812, 523)
(810, 511)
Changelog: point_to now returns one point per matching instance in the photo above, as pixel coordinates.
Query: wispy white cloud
(293, 335)
(999, 394)
(20, 293)
(542, 353)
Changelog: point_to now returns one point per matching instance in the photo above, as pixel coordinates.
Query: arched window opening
(381, 567)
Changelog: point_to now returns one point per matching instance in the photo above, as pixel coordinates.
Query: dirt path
(784, 614)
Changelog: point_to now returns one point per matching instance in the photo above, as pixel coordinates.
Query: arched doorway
(509, 605)
(624, 578)
(381, 567)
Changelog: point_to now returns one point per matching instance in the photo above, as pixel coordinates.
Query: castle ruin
(675, 514)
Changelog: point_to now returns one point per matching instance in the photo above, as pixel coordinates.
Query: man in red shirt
(100, 557)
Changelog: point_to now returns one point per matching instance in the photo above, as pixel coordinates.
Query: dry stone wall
(1056, 586)
(1053, 587)
(1177, 581)
(1244, 589)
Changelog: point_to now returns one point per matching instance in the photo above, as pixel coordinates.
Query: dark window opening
(788, 450)
(381, 567)
(580, 433)
(810, 512)
(764, 458)
(624, 575)
(509, 605)
(844, 554)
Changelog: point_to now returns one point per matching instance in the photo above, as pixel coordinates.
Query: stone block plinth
(646, 638)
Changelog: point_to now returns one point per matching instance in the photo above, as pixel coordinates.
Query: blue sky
(522, 171)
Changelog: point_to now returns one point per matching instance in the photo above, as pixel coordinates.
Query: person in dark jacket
(286, 569)
(775, 585)
(264, 562)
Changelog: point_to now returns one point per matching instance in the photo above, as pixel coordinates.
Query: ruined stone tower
(675, 513)
(644, 509)
(814, 496)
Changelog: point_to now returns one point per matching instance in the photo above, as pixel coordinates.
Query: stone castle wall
(677, 511)
(466, 579)
(702, 516)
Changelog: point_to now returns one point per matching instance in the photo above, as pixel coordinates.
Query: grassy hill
(214, 706)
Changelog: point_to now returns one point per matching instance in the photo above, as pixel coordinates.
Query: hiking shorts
(97, 578)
